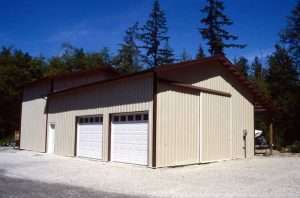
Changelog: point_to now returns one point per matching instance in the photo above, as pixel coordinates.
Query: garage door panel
(129, 140)
(129, 147)
(134, 139)
(216, 130)
(89, 137)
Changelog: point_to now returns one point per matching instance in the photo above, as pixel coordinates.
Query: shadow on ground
(20, 188)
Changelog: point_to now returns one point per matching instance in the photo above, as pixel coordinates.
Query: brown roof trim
(195, 88)
(105, 68)
(154, 119)
(164, 68)
(103, 82)
(252, 88)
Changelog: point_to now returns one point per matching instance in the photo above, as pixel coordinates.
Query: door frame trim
(76, 133)
(110, 132)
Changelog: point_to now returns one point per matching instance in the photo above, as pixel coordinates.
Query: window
(123, 118)
(91, 119)
(138, 117)
(130, 118)
(116, 118)
(80, 120)
(146, 117)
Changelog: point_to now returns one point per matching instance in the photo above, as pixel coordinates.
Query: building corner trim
(154, 119)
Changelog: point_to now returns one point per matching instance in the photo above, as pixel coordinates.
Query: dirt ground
(27, 174)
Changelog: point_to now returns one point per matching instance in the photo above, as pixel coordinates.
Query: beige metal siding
(132, 95)
(177, 134)
(33, 123)
(243, 119)
(241, 112)
(215, 128)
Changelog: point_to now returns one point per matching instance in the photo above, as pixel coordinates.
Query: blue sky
(40, 27)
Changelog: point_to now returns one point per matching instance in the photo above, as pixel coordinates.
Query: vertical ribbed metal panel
(177, 126)
(132, 95)
(215, 128)
(178, 116)
(33, 123)
(241, 110)
(242, 119)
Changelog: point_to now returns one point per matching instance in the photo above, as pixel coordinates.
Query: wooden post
(271, 137)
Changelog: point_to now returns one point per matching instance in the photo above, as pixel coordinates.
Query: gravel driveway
(28, 174)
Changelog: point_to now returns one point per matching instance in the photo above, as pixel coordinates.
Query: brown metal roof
(102, 68)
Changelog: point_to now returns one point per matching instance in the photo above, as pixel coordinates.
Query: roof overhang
(101, 68)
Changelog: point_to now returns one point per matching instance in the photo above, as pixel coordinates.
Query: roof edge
(251, 87)
(106, 68)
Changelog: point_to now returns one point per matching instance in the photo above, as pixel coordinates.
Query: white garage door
(89, 137)
(129, 138)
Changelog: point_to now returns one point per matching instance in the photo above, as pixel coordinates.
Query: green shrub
(295, 148)
(5, 141)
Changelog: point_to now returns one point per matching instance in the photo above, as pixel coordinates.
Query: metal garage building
(186, 113)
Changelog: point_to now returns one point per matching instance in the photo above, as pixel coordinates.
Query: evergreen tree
(16, 69)
(242, 65)
(258, 75)
(291, 34)
(200, 53)
(76, 59)
(154, 33)
(127, 60)
(257, 69)
(167, 56)
(185, 56)
(105, 55)
(56, 66)
(214, 30)
(282, 81)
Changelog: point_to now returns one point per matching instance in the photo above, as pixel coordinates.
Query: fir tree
(258, 76)
(154, 33)
(282, 80)
(127, 60)
(242, 65)
(105, 55)
(185, 56)
(257, 69)
(200, 53)
(282, 72)
(16, 69)
(291, 34)
(75, 59)
(214, 30)
(167, 56)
